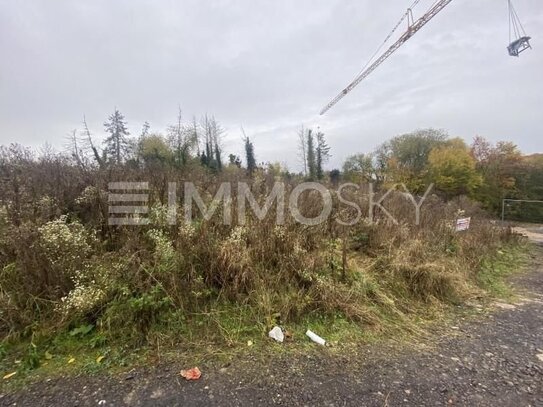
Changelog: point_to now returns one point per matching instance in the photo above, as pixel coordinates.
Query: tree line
(486, 172)
(198, 141)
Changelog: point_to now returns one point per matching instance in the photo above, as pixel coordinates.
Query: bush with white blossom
(65, 245)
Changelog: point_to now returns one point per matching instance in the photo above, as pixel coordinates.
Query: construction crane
(520, 43)
(412, 28)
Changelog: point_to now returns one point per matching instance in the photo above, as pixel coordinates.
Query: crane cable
(406, 14)
(515, 25)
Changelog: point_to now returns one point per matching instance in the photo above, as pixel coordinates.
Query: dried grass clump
(62, 265)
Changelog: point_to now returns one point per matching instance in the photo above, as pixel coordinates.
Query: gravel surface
(493, 359)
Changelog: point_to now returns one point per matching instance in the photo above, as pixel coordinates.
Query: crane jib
(412, 29)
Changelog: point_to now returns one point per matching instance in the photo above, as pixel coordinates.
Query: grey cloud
(269, 66)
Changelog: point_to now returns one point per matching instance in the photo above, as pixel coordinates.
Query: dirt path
(495, 360)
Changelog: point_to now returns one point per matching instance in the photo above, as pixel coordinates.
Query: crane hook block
(518, 40)
(519, 45)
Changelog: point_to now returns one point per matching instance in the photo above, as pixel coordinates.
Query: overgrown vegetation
(67, 277)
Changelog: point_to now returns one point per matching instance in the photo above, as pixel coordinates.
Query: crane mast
(412, 29)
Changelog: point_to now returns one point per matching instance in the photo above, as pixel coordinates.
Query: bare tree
(213, 133)
(183, 139)
(195, 134)
(90, 144)
(74, 149)
(302, 148)
(175, 138)
(311, 156)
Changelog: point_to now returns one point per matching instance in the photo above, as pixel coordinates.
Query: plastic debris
(9, 375)
(315, 338)
(191, 374)
(277, 334)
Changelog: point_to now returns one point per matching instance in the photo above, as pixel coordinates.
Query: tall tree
(183, 139)
(154, 149)
(503, 171)
(75, 150)
(218, 158)
(452, 169)
(323, 154)
(534, 180)
(406, 157)
(360, 167)
(532, 189)
(481, 149)
(89, 143)
(311, 159)
(195, 134)
(213, 133)
(302, 148)
(117, 144)
(208, 152)
(250, 156)
(145, 129)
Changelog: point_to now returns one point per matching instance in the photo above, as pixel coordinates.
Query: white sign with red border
(462, 224)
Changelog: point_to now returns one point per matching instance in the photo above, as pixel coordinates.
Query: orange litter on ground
(191, 374)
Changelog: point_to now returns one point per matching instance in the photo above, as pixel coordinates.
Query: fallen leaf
(71, 360)
(100, 358)
(249, 343)
(9, 375)
(48, 355)
(191, 374)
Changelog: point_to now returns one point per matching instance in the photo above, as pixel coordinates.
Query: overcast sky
(269, 66)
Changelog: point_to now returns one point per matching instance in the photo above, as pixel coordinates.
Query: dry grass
(205, 282)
